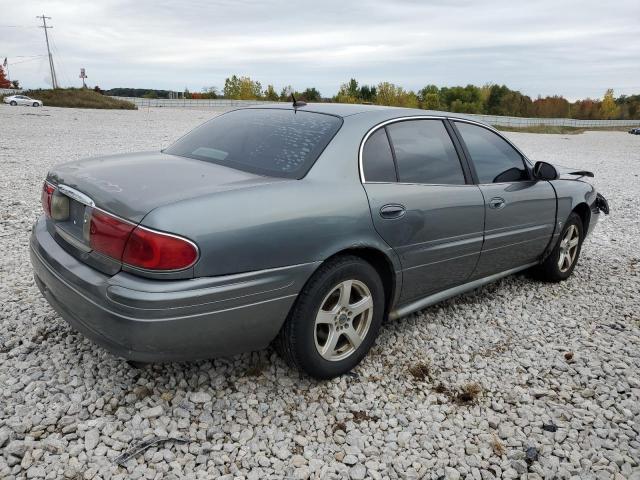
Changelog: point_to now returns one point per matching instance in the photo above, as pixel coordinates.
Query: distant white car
(22, 100)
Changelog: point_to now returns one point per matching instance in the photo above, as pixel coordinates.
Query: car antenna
(297, 103)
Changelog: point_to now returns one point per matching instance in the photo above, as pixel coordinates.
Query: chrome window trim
(423, 184)
(376, 127)
(497, 132)
(373, 129)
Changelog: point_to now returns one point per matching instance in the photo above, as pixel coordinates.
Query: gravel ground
(517, 379)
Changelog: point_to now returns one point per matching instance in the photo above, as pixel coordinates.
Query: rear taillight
(158, 251)
(108, 234)
(137, 246)
(45, 198)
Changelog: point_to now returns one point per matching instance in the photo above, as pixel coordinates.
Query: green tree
(608, 107)
(150, 94)
(310, 95)
(462, 99)
(242, 88)
(367, 93)
(271, 94)
(285, 93)
(429, 89)
(352, 88)
(348, 92)
(210, 92)
(390, 94)
(431, 101)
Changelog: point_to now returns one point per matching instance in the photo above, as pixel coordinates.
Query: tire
(13, 103)
(321, 318)
(551, 270)
(36, 104)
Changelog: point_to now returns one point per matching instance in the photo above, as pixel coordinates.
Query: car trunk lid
(129, 187)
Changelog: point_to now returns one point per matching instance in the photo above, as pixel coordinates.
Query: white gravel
(557, 365)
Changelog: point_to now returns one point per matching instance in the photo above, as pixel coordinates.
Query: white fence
(190, 102)
(560, 122)
(9, 91)
(490, 119)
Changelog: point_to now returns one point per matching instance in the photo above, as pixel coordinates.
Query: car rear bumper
(165, 320)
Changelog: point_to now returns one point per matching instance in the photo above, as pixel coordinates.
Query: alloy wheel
(343, 320)
(568, 248)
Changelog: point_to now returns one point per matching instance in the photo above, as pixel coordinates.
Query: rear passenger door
(520, 211)
(423, 203)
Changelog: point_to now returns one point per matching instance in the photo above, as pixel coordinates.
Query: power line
(54, 80)
(61, 64)
(28, 60)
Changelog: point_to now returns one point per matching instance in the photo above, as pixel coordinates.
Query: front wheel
(335, 319)
(563, 258)
(36, 104)
(13, 103)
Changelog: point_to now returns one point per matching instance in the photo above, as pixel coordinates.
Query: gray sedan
(302, 225)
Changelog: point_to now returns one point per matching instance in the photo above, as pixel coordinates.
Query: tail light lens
(45, 198)
(138, 246)
(158, 251)
(108, 234)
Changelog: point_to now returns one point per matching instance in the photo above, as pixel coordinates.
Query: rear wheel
(36, 104)
(560, 263)
(13, 103)
(335, 319)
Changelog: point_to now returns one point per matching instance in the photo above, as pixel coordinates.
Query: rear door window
(377, 159)
(495, 160)
(425, 153)
(271, 142)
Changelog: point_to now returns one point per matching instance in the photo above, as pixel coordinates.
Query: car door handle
(497, 203)
(393, 210)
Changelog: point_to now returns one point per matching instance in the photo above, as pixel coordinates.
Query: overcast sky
(573, 48)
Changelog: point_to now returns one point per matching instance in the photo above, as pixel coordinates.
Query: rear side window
(270, 142)
(425, 153)
(377, 159)
(495, 160)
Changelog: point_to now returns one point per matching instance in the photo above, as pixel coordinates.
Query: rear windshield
(271, 142)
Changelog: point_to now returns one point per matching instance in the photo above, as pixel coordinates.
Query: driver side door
(520, 211)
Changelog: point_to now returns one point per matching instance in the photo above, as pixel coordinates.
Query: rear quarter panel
(282, 224)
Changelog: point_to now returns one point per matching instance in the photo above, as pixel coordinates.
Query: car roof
(350, 109)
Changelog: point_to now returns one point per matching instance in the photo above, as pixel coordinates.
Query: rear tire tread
(286, 342)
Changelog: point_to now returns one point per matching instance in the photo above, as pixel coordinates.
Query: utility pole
(54, 79)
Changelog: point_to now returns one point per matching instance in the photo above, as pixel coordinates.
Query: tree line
(490, 99)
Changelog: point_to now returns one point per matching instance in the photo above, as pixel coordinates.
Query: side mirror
(544, 171)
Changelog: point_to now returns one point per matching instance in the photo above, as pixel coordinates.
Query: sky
(572, 48)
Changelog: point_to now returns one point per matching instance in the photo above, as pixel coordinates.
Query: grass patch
(558, 130)
(78, 98)
(361, 416)
(420, 371)
(469, 393)
(339, 426)
(465, 395)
